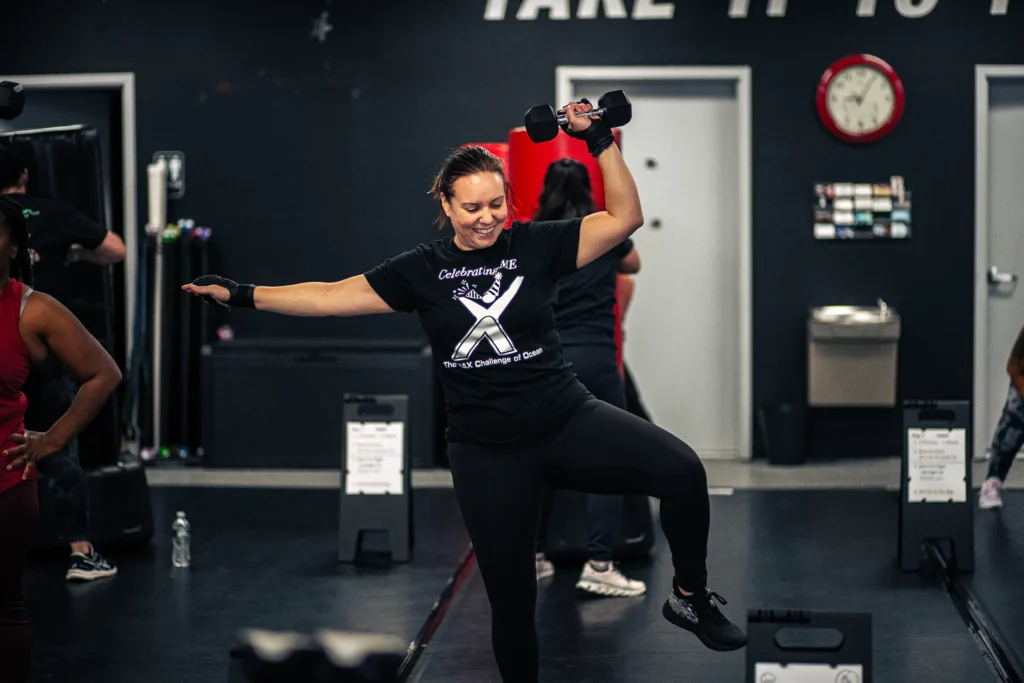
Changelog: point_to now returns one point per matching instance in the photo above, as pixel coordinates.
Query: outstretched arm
(350, 297)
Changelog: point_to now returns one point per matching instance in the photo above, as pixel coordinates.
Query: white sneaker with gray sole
(605, 579)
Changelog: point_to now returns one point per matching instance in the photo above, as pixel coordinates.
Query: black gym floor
(265, 558)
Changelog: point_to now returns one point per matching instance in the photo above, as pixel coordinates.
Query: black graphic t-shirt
(489, 316)
(585, 310)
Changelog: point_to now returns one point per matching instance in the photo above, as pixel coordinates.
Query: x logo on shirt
(488, 325)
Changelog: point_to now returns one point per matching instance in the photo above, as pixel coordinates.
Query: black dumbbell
(12, 100)
(542, 123)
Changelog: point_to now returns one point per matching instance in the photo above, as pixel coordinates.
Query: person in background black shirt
(60, 234)
(518, 417)
(585, 321)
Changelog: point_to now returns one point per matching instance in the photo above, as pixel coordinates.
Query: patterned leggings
(61, 479)
(1009, 436)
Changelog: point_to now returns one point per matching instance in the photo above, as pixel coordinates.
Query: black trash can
(783, 428)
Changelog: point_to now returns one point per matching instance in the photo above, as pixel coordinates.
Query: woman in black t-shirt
(585, 322)
(518, 418)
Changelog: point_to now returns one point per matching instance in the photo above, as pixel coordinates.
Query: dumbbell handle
(562, 118)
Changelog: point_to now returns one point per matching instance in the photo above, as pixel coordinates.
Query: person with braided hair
(60, 234)
(519, 419)
(33, 326)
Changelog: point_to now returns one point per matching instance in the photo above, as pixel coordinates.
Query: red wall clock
(860, 98)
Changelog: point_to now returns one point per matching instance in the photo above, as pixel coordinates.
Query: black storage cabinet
(277, 403)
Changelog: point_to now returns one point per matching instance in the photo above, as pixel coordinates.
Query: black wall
(312, 160)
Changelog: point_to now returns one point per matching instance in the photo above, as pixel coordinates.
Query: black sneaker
(699, 614)
(90, 567)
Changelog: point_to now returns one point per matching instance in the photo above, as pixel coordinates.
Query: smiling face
(477, 209)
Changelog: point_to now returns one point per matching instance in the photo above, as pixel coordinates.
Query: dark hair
(15, 157)
(566, 193)
(464, 161)
(14, 219)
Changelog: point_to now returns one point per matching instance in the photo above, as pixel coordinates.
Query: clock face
(860, 100)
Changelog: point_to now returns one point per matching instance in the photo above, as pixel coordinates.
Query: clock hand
(870, 83)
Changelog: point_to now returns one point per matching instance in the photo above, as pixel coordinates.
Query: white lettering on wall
(495, 10)
(557, 9)
(613, 9)
(915, 9)
(649, 9)
(738, 8)
(561, 10)
(866, 8)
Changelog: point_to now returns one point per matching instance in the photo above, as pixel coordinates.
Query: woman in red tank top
(32, 326)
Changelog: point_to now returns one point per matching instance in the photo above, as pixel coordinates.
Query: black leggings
(19, 514)
(596, 369)
(601, 449)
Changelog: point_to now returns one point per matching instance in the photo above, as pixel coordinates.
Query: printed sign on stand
(375, 463)
(936, 460)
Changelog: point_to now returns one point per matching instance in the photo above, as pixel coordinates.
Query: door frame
(984, 74)
(565, 79)
(124, 83)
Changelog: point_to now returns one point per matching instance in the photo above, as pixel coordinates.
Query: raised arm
(623, 214)
(349, 297)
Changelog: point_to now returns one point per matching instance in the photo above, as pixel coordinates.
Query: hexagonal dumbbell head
(618, 109)
(541, 123)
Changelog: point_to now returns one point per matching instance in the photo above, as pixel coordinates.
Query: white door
(1005, 240)
(682, 330)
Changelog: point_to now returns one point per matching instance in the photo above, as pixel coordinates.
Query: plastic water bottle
(181, 555)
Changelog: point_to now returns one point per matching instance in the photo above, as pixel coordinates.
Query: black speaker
(278, 403)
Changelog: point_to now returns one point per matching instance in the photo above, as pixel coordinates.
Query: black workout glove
(598, 135)
(239, 295)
